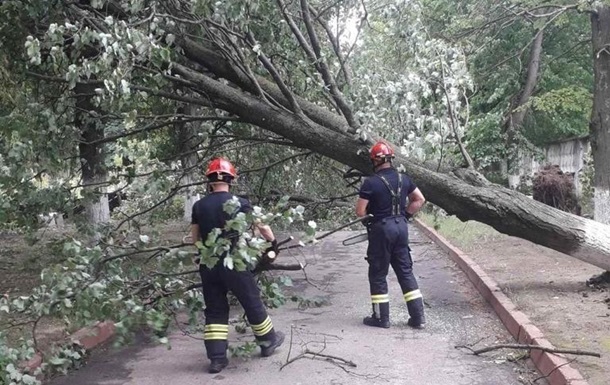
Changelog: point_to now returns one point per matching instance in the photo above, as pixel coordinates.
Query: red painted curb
(555, 366)
(89, 338)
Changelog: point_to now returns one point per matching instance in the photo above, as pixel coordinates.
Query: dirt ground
(548, 286)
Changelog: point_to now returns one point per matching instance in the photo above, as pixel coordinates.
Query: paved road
(399, 355)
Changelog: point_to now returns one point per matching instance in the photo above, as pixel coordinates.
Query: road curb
(88, 338)
(554, 366)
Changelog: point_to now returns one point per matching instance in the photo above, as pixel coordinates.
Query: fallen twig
(554, 369)
(289, 347)
(315, 355)
(329, 357)
(538, 347)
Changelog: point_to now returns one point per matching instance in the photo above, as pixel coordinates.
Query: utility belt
(389, 219)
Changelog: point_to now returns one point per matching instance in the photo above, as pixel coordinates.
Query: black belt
(396, 218)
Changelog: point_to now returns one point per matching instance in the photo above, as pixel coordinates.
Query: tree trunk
(518, 111)
(92, 156)
(185, 137)
(600, 119)
(471, 197)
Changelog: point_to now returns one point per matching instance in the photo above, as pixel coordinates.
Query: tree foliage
(167, 85)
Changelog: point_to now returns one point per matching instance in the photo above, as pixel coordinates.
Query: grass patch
(465, 235)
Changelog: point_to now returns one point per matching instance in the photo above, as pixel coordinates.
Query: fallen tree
(218, 61)
(462, 192)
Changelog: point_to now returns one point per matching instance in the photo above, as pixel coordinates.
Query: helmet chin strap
(218, 186)
(219, 182)
(378, 166)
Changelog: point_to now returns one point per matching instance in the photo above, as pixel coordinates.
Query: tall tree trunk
(185, 136)
(92, 156)
(518, 111)
(600, 119)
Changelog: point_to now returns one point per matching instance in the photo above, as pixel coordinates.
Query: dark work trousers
(389, 245)
(217, 282)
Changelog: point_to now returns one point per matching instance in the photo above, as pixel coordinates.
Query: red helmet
(382, 151)
(220, 166)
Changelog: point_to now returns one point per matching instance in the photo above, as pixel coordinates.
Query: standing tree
(92, 154)
(600, 119)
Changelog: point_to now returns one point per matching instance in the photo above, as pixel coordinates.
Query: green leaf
(228, 262)
(57, 361)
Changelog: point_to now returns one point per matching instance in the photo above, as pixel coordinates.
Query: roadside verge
(554, 366)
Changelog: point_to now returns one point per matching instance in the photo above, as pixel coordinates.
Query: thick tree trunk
(600, 119)
(518, 111)
(92, 156)
(471, 197)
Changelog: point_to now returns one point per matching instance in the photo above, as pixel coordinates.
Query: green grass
(463, 234)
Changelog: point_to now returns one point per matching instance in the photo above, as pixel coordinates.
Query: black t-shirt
(380, 199)
(209, 214)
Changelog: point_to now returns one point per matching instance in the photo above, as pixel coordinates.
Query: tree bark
(600, 119)
(507, 211)
(185, 137)
(92, 155)
(518, 110)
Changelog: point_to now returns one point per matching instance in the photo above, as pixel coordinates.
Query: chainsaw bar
(355, 239)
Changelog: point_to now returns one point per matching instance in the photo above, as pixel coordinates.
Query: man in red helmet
(209, 214)
(384, 195)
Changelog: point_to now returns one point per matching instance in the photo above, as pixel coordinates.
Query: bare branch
(324, 71)
(212, 60)
(174, 96)
(142, 251)
(476, 352)
(276, 77)
(307, 153)
(241, 60)
(454, 122)
(297, 33)
(327, 357)
(153, 127)
(345, 69)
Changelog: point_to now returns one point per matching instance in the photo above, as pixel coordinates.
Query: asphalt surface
(456, 315)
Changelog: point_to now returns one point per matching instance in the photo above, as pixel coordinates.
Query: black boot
(377, 322)
(415, 324)
(417, 319)
(268, 347)
(381, 319)
(217, 365)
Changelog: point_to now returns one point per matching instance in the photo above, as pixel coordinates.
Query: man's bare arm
(416, 201)
(361, 207)
(195, 233)
(265, 231)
